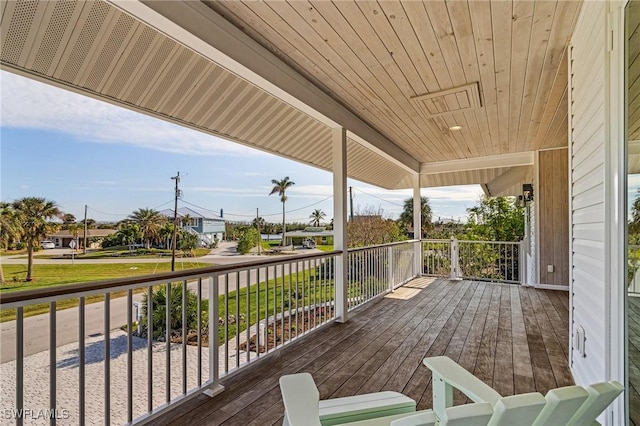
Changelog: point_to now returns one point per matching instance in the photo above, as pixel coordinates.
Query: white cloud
(457, 193)
(29, 104)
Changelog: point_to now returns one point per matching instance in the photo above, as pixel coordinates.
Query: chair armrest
(454, 375)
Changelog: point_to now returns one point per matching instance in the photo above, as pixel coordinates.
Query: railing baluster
(150, 349)
(52, 358)
(258, 313)
(237, 319)
(19, 363)
(129, 356)
(184, 337)
(81, 361)
(296, 295)
(168, 343)
(282, 305)
(107, 358)
(248, 314)
(199, 310)
(214, 330)
(226, 323)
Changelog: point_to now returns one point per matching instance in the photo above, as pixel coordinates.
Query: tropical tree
(74, 230)
(34, 215)
(8, 229)
(280, 187)
(67, 219)
(150, 222)
(259, 223)
(91, 224)
(496, 219)
(8, 225)
(186, 220)
(406, 217)
(316, 217)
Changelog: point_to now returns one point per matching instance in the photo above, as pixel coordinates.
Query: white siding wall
(587, 177)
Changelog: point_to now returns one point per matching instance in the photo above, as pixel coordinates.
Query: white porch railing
(376, 270)
(231, 316)
(499, 261)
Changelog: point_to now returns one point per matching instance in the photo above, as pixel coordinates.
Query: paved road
(36, 328)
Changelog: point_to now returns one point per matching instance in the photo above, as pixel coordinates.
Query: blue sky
(75, 150)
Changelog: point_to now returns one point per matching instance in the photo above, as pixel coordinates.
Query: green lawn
(279, 294)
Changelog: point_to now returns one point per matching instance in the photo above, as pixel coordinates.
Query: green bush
(248, 240)
(159, 301)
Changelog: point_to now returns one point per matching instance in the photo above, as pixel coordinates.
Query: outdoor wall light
(527, 192)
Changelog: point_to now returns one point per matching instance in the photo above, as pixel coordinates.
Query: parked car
(308, 243)
(47, 244)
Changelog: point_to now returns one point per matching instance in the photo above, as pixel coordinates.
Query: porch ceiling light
(455, 127)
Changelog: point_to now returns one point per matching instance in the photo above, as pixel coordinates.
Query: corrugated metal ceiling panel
(97, 49)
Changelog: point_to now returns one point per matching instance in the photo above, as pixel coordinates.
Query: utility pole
(84, 246)
(351, 203)
(175, 223)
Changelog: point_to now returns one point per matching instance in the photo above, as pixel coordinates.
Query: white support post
(455, 259)
(417, 226)
(214, 361)
(340, 220)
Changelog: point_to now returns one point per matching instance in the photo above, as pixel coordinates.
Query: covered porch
(512, 337)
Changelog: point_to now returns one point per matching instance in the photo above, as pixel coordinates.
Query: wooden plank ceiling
(409, 69)
(376, 57)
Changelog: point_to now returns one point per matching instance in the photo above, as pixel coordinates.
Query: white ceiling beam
(478, 163)
(201, 29)
(508, 179)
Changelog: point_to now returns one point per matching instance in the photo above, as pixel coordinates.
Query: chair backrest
(301, 400)
(562, 404)
(600, 396)
(517, 409)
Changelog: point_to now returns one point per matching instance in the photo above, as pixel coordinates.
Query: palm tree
(186, 220)
(150, 222)
(317, 216)
(34, 215)
(129, 234)
(8, 229)
(259, 223)
(74, 230)
(280, 186)
(406, 217)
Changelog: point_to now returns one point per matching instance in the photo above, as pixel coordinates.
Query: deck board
(505, 334)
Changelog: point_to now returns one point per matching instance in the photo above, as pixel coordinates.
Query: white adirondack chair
(570, 405)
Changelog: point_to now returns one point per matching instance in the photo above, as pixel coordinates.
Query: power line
(381, 199)
(262, 215)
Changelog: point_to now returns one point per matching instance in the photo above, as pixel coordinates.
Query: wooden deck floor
(513, 338)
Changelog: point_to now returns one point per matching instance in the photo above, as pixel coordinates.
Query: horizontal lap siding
(587, 188)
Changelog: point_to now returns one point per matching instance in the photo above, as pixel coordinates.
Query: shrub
(159, 301)
(248, 240)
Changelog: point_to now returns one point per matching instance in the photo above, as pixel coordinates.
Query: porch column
(417, 225)
(340, 221)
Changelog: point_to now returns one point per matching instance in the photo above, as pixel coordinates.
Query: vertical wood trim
(553, 219)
